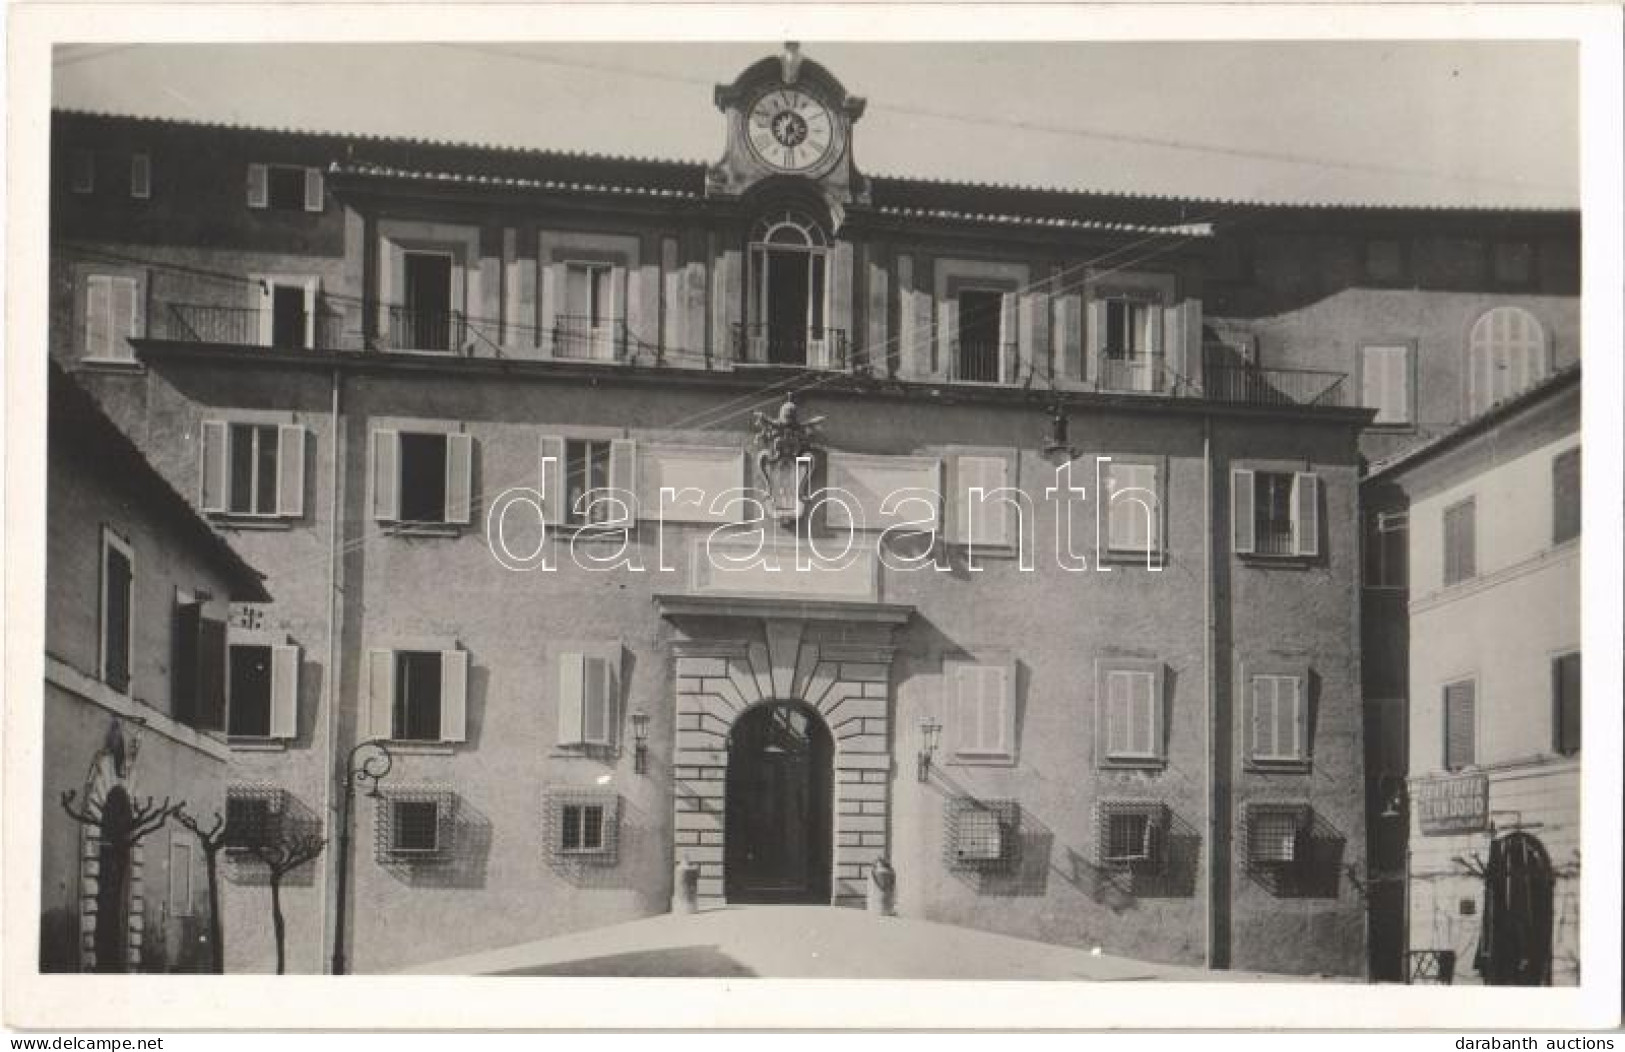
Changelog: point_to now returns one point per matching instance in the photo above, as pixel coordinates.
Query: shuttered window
(1385, 383)
(118, 596)
(255, 470)
(1134, 519)
(1279, 724)
(1386, 556)
(588, 699)
(1460, 725)
(111, 316)
(1566, 704)
(198, 675)
(981, 711)
(1460, 541)
(1506, 354)
(1566, 496)
(140, 176)
(1131, 718)
(418, 695)
(284, 187)
(987, 520)
(590, 483)
(422, 478)
(1275, 513)
(263, 694)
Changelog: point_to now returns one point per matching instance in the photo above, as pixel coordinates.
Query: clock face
(790, 130)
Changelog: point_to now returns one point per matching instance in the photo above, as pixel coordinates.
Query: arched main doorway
(1515, 948)
(778, 821)
(112, 884)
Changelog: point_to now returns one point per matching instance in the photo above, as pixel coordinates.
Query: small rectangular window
(1275, 834)
(1460, 725)
(417, 696)
(1272, 513)
(1460, 542)
(1566, 704)
(1566, 496)
(981, 834)
(583, 827)
(140, 176)
(417, 827)
(586, 467)
(117, 614)
(423, 478)
(252, 469)
(1130, 716)
(82, 173)
(1134, 518)
(112, 316)
(1385, 383)
(253, 817)
(1386, 554)
(981, 711)
(1279, 726)
(250, 684)
(285, 186)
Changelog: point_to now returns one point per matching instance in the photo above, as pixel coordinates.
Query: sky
(1445, 123)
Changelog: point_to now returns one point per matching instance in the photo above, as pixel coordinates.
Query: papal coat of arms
(785, 458)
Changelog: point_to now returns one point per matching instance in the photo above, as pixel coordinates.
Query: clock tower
(789, 120)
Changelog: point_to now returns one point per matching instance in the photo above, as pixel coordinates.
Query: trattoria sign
(1453, 805)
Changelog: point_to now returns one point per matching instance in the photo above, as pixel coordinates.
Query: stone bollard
(882, 888)
(685, 887)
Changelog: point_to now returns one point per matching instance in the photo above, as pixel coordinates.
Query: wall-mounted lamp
(640, 741)
(930, 731)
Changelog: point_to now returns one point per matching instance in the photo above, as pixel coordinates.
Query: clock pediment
(787, 116)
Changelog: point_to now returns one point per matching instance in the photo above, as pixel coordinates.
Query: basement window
(1276, 833)
(416, 825)
(582, 826)
(1130, 834)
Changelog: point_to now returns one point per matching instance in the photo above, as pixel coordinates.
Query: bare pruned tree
(282, 856)
(144, 819)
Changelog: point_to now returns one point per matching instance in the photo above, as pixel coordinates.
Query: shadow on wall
(243, 867)
(461, 865)
(1316, 871)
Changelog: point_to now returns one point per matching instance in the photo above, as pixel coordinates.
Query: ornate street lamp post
(368, 762)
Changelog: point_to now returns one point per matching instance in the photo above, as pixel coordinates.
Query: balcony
(249, 327)
(416, 330)
(1255, 385)
(579, 337)
(1137, 373)
(758, 343)
(985, 362)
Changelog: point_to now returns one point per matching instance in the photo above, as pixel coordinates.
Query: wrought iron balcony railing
(416, 330)
(985, 362)
(590, 339)
(1255, 385)
(249, 327)
(1143, 373)
(812, 348)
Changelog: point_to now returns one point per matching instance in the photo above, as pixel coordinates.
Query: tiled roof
(377, 171)
(1052, 222)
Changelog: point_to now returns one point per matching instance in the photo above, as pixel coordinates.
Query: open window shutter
(211, 674)
(381, 693)
(453, 695)
(125, 319)
(212, 495)
(1263, 716)
(623, 479)
(572, 697)
(459, 476)
(310, 312)
(1288, 717)
(313, 190)
(1241, 510)
(1097, 333)
(1009, 335)
(1172, 338)
(386, 475)
(258, 186)
(552, 480)
(1117, 714)
(284, 692)
(290, 471)
(1305, 513)
(98, 315)
(1154, 343)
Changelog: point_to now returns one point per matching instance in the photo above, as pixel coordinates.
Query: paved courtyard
(811, 942)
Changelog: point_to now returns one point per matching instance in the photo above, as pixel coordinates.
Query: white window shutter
(623, 479)
(985, 522)
(993, 699)
(284, 692)
(259, 195)
(310, 312)
(1142, 734)
(572, 698)
(1012, 339)
(1263, 716)
(212, 484)
(98, 315)
(1241, 510)
(1118, 703)
(381, 693)
(140, 175)
(386, 475)
(313, 190)
(597, 702)
(1097, 333)
(552, 480)
(1290, 717)
(459, 477)
(962, 715)
(453, 695)
(1305, 514)
(290, 471)
(125, 316)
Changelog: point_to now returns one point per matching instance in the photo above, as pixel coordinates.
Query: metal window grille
(253, 816)
(416, 825)
(582, 825)
(981, 834)
(1130, 833)
(1276, 833)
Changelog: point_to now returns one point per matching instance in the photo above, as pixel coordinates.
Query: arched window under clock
(789, 294)
(1506, 354)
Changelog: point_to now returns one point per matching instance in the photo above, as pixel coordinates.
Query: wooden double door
(779, 827)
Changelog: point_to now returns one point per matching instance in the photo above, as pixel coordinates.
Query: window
(1276, 833)
(1384, 260)
(82, 172)
(263, 691)
(984, 328)
(285, 188)
(1279, 725)
(988, 521)
(140, 176)
(117, 614)
(1460, 541)
(586, 467)
(421, 478)
(180, 878)
(416, 825)
(1566, 496)
(197, 675)
(1128, 328)
(981, 834)
(1566, 704)
(1506, 354)
(418, 695)
(582, 826)
(1514, 263)
(112, 317)
(1275, 513)
(426, 320)
(589, 701)
(587, 323)
(1386, 555)
(1129, 834)
(1130, 713)
(1134, 519)
(981, 712)
(589, 483)
(253, 470)
(253, 817)
(1385, 383)
(1460, 725)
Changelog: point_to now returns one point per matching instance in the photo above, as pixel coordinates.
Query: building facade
(137, 587)
(384, 367)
